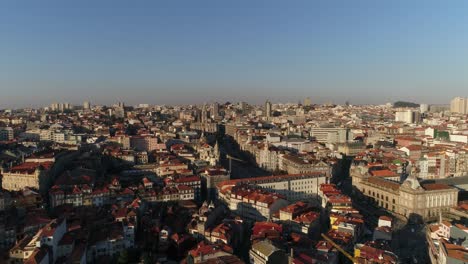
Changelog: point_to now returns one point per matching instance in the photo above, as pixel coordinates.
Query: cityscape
(233, 132)
(235, 183)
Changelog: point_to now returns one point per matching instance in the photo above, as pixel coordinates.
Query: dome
(412, 182)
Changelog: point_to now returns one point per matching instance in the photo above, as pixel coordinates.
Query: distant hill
(405, 104)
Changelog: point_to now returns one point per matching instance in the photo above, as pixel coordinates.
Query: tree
(123, 257)
(146, 258)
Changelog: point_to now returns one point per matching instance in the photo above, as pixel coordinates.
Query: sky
(180, 52)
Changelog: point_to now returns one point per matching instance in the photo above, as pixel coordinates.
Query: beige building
(294, 164)
(253, 203)
(205, 127)
(408, 198)
(459, 105)
(294, 187)
(27, 175)
(351, 148)
(264, 252)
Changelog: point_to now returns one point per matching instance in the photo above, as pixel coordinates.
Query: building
(27, 175)
(307, 102)
(351, 148)
(365, 253)
(459, 105)
(204, 127)
(217, 253)
(193, 182)
(423, 108)
(86, 105)
(144, 143)
(407, 199)
(41, 247)
(301, 218)
(215, 110)
(233, 128)
(26, 250)
(204, 114)
(253, 203)
(52, 234)
(268, 109)
(408, 116)
(293, 187)
(6, 134)
(264, 252)
(294, 164)
(330, 134)
(447, 242)
(210, 180)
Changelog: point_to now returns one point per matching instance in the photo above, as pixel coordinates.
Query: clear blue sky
(195, 51)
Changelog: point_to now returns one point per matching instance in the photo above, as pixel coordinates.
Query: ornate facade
(408, 198)
(27, 175)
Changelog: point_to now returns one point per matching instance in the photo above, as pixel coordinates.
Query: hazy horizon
(190, 52)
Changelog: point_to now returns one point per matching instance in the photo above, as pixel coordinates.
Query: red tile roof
(435, 186)
(383, 173)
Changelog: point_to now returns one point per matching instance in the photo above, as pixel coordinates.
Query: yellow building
(27, 175)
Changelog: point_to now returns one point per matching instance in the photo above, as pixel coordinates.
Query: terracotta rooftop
(435, 186)
(383, 173)
(384, 183)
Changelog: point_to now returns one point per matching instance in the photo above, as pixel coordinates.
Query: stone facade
(408, 198)
(27, 175)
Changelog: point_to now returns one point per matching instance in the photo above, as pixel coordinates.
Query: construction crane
(230, 158)
(344, 252)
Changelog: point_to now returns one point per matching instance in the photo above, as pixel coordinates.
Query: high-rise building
(423, 108)
(60, 107)
(86, 105)
(242, 106)
(408, 116)
(54, 106)
(204, 114)
(459, 105)
(6, 133)
(215, 109)
(268, 108)
(307, 102)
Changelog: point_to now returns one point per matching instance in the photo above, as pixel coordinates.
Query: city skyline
(240, 132)
(168, 53)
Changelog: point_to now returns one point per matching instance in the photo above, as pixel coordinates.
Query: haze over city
(180, 52)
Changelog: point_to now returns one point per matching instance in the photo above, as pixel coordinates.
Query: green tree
(146, 258)
(123, 257)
